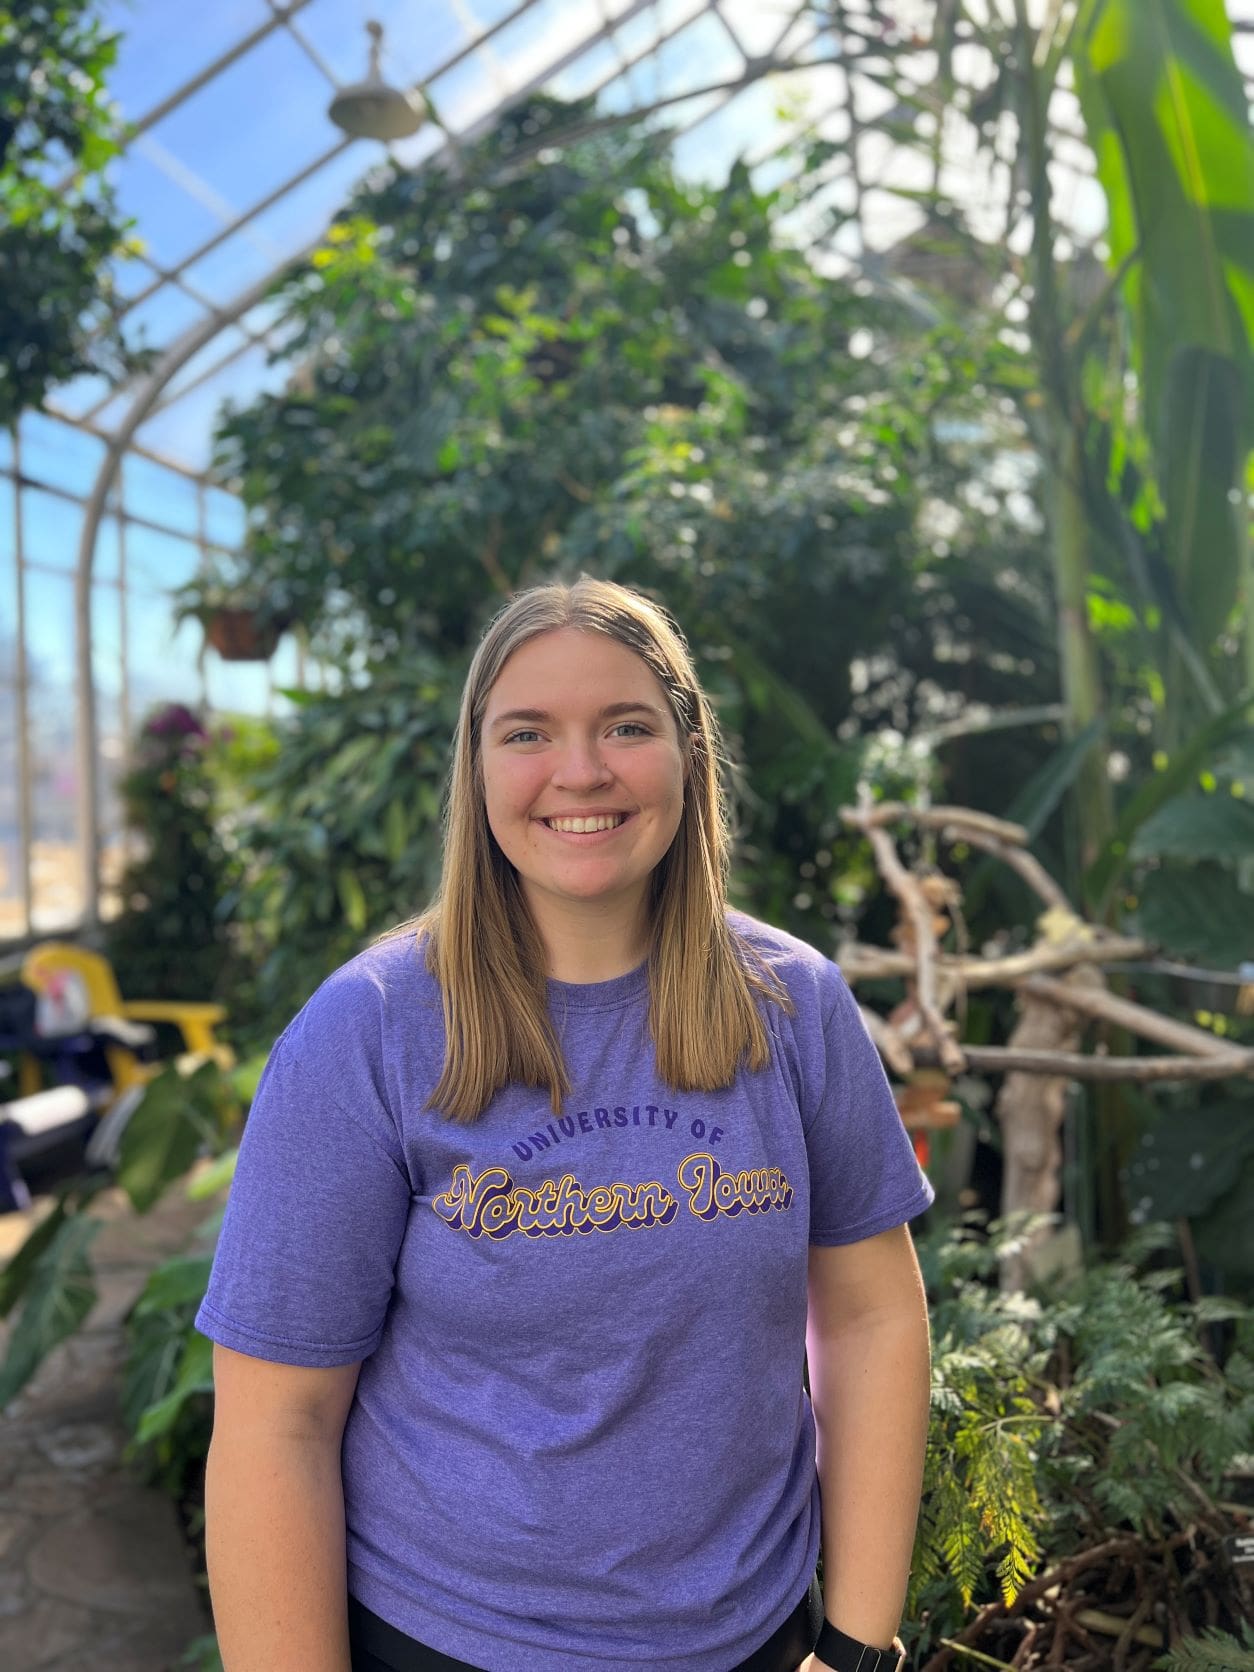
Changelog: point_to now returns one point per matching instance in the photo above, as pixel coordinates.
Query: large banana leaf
(60, 1294)
(1166, 114)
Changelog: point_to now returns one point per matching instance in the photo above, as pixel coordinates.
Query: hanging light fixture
(370, 109)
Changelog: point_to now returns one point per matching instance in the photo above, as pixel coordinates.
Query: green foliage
(342, 835)
(56, 239)
(1059, 1421)
(58, 1292)
(566, 360)
(1166, 114)
(170, 941)
(51, 1274)
(1212, 1651)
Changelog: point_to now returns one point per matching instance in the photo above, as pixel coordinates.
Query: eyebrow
(611, 712)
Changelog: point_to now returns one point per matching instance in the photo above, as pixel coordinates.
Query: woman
(540, 1202)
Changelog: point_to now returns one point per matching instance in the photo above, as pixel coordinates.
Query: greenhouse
(899, 352)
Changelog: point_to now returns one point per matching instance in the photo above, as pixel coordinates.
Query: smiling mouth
(585, 827)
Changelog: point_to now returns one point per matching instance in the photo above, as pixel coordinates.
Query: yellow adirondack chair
(48, 966)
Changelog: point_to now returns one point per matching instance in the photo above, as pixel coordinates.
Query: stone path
(94, 1573)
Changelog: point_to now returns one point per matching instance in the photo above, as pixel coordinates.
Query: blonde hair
(481, 942)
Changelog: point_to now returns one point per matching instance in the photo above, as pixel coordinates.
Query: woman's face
(583, 772)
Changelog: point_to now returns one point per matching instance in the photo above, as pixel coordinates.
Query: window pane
(161, 663)
(51, 529)
(238, 687)
(158, 562)
(60, 455)
(12, 919)
(161, 496)
(224, 518)
(55, 856)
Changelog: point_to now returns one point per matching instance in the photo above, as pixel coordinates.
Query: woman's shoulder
(366, 997)
(807, 973)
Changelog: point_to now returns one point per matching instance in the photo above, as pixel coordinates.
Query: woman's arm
(868, 1353)
(274, 1515)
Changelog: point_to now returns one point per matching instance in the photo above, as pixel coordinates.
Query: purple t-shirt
(580, 1436)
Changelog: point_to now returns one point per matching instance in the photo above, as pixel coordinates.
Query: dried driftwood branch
(1108, 1007)
(934, 818)
(876, 963)
(919, 910)
(998, 1059)
(887, 1041)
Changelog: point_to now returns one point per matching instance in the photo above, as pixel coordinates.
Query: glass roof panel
(160, 496)
(162, 318)
(171, 222)
(758, 24)
(277, 103)
(160, 49)
(417, 39)
(184, 429)
(592, 68)
(262, 121)
(59, 455)
(51, 529)
(545, 33)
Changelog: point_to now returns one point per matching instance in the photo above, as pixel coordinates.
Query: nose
(580, 766)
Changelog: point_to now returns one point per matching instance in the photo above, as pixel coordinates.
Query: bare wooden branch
(934, 818)
(906, 888)
(888, 1042)
(877, 963)
(1125, 1013)
(1029, 868)
(996, 1059)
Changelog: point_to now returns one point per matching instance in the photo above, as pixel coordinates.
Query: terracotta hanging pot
(242, 634)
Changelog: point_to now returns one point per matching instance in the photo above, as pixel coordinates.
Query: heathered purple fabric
(580, 1436)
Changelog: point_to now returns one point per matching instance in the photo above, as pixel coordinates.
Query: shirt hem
(497, 1654)
(311, 1355)
(886, 1221)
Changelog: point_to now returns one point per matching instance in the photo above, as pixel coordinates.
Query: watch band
(846, 1654)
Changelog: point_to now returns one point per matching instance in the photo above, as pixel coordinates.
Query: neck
(596, 942)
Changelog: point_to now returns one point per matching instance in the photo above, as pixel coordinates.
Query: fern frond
(1213, 1651)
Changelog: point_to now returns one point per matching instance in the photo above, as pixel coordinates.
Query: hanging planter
(244, 633)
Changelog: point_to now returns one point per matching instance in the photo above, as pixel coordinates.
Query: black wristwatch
(845, 1654)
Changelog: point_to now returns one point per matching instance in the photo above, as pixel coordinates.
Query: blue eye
(632, 726)
(522, 736)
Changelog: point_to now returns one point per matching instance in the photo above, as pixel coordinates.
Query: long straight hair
(481, 942)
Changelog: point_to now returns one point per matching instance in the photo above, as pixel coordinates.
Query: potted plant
(240, 621)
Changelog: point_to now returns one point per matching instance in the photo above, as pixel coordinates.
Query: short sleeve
(864, 1177)
(317, 1211)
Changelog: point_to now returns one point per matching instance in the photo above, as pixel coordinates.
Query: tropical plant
(179, 1117)
(57, 236)
(1079, 1443)
(170, 937)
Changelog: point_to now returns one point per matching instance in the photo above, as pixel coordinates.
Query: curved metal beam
(168, 367)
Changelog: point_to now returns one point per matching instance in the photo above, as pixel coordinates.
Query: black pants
(379, 1647)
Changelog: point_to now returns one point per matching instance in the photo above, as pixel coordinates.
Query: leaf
(1223, 1236)
(161, 1139)
(1189, 1159)
(59, 1296)
(1180, 774)
(1166, 113)
(216, 1176)
(1197, 912)
(1218, 826)
(352, 897)
(195, 1375)
(175, 1283)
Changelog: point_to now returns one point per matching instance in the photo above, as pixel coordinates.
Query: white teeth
(580, 827)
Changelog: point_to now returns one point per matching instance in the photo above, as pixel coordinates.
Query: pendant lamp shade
(370, 109)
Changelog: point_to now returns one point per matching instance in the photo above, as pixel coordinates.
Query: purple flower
(174, 720)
